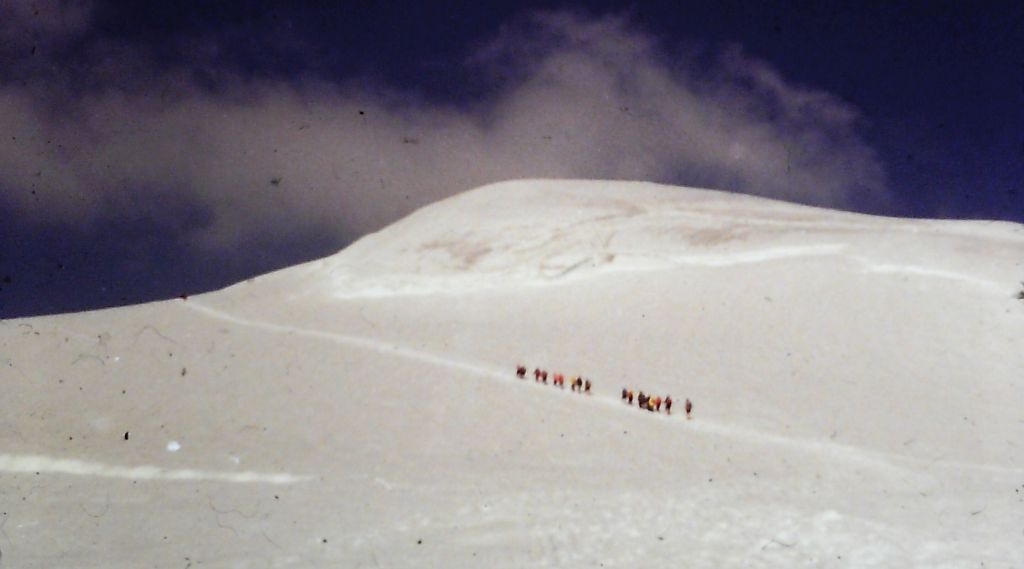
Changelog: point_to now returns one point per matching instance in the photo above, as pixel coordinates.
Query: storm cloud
(227, 159)
(579, 97)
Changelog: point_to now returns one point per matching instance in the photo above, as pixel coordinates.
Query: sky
(150, 150)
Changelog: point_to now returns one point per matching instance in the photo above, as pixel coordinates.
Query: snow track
(357, 341)
(27, 464)
(587, 265)
(980, 283)
(857, 455)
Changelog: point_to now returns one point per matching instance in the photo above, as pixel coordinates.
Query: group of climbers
(576, 383)
(579, 384)
(653, 402)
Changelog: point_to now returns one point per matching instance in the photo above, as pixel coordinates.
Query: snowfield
(858, 389)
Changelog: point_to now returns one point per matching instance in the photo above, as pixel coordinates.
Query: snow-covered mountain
(549, 232)
(857, 386)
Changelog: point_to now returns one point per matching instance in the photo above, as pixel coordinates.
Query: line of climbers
(653, 402)
(576, 383)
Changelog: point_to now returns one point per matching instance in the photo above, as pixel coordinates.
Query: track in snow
(29, 463)
(627, 262)
(880, 460)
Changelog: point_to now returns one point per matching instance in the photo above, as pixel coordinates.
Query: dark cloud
(42, 23)
(263, 160)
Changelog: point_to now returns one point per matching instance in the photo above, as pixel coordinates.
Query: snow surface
(858, 385)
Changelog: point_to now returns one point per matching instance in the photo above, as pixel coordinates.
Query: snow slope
(858, 385)
(544, 232)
